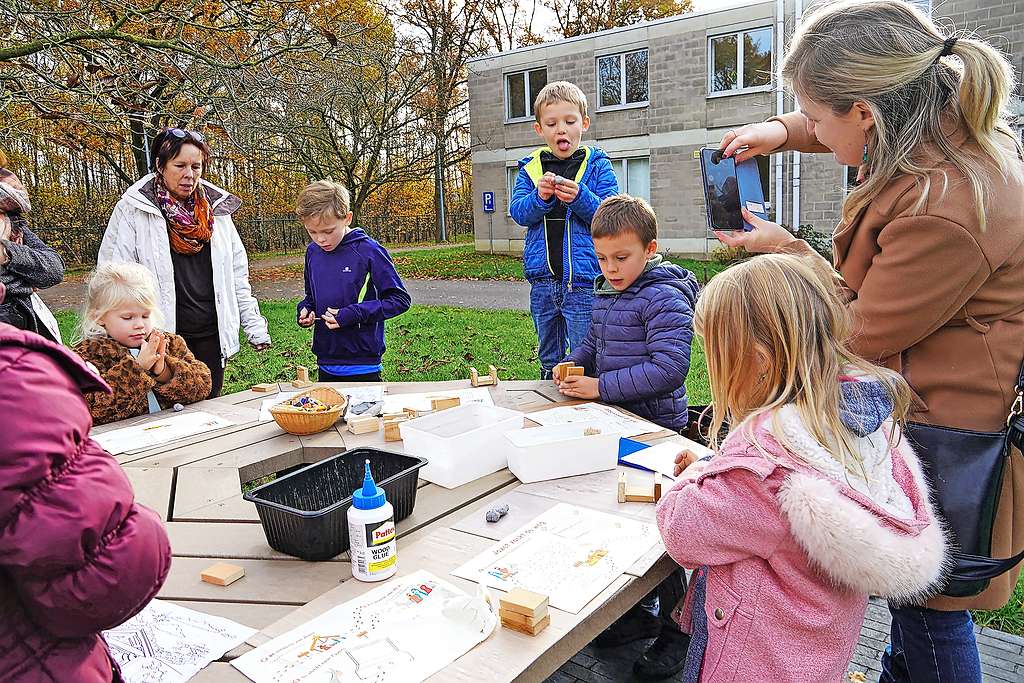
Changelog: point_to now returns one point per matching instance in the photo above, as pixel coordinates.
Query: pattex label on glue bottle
(371, 532)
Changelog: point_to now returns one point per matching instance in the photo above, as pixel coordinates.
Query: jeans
(562, 318)
(929, 646)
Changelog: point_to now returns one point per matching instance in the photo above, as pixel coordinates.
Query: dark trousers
(669, 594)
(328, 377)
(929, 646)
(207, 349)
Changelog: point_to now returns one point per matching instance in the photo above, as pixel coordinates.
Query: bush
(819, 241)
(728, 255)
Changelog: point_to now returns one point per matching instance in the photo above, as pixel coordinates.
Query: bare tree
(580, 18)
(510, 24)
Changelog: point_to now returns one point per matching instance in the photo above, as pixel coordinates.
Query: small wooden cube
(574, 370)
(524, 602)
(392, 431)
(301, 373)
(528, 630)
(363, 424)
(222, 574)
(591, 431)
(519, 619)
(301, 383)
(263, 388)
(444, 403)
(621, 489)
(560, 371)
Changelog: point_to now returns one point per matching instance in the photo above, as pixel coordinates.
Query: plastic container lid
(370, 496)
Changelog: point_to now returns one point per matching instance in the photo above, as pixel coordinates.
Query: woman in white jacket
(179, 227)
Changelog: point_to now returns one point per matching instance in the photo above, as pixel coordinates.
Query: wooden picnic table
(196, 486)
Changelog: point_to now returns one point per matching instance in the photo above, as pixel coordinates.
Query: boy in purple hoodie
(352, 287)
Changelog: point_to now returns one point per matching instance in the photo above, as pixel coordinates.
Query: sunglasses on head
(182, 133)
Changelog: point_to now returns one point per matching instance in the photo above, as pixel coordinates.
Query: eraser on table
(222, 574)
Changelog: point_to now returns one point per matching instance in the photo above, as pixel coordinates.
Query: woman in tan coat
(930, 247)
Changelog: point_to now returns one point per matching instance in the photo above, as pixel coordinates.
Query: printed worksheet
(167, 643)
(159, 432)
(614, 420)
(568, 553)
(402, 631)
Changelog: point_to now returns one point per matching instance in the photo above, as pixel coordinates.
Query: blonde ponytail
(891, 57)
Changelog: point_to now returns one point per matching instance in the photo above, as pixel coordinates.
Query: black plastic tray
(304, 513)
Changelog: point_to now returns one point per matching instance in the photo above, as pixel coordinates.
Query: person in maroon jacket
(78, 555)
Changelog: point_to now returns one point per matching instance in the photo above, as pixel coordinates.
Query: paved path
(286, 285)
(1002, 655)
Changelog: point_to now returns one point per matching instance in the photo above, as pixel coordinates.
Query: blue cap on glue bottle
(370, 496)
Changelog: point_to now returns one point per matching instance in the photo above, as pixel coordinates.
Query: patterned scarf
(189, 223)
(13, 199)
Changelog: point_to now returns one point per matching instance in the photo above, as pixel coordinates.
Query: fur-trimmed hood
(877, 535)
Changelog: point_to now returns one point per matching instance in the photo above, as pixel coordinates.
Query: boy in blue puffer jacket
(558, 189)
(637, 355)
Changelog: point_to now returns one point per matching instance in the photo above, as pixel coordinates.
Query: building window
(511, 173)
(521, 90)
(622, 79)
(731, 69)
(634, 176)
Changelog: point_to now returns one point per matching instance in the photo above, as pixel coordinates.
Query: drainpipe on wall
(780, 42)
(796, 155)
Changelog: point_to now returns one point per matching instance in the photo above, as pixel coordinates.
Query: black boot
(665, 657)
(636, 624)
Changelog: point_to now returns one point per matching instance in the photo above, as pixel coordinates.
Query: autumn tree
(510, 24)
(575, 18)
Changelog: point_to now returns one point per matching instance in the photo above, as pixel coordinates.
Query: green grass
(438, 343)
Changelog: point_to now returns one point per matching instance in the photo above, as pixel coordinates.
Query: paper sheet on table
(662, 457)
(395, 403)
(400, 632)
(621, 423)
(268, 403)
(169, 643)
(568, 553)
(159, 432)
(369, 394)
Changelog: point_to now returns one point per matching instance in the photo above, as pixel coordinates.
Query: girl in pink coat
(812, 503)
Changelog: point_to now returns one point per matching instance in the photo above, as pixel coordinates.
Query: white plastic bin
(541, 453)
(462, 443)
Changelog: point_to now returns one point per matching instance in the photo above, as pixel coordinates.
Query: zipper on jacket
(568, 236)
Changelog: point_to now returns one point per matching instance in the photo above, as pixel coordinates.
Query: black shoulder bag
(966, 473)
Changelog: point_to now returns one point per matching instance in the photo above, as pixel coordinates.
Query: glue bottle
(371, 532)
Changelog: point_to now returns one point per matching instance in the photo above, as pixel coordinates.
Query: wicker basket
(300, 422)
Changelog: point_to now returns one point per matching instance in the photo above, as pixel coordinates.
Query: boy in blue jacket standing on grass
(558, 189)
(352, 287)
(637, 355)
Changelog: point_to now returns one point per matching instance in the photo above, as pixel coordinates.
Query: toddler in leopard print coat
(147, 369)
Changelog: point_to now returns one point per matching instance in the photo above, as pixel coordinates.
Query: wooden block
(491, 380)
(637, 496)
(530, 631)
(222, 574)
(560, 371)
(444, 403)
(574, 370)
(591, 431)
(263, 388)
(301, 373)
(392, 432)
(621, 494)
(522, 601)
(519, 619)
(301, 384)
(411, 413)
(657, 486)
(363, 424)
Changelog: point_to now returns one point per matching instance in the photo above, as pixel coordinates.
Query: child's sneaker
(665, 657)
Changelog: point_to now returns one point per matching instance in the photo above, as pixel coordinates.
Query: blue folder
(628, 446)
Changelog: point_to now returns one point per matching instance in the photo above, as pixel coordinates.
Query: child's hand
(149, 352)
(306, 318)
(329, 320)
(566, 190)
(546, 186)
(578, 386)
(688, 466)
(161, 355)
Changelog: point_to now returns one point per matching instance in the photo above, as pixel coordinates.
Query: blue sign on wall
(488, 202)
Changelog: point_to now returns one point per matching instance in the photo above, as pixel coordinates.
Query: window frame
(510, 186)
(625, 171)
(622, 80)
(738, 35)
(526, 92)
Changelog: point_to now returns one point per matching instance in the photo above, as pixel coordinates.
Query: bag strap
(1015, 421)
(978, 568)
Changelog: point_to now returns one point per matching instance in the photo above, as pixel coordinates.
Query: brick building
(660, 90)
